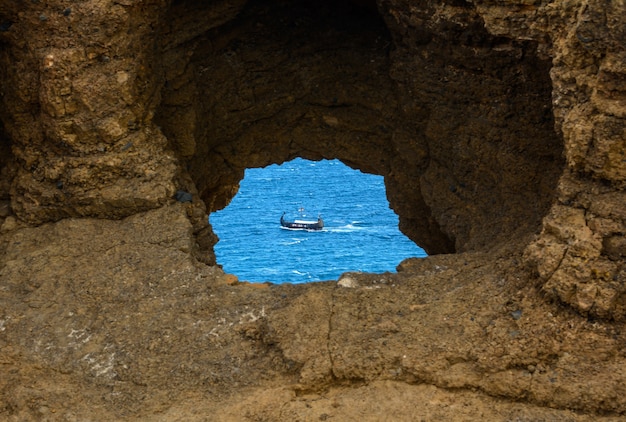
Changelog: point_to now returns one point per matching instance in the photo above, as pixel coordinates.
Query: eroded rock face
(484, 110)
(448, 113)
(492, 122)
(78, 100)
(580, 252)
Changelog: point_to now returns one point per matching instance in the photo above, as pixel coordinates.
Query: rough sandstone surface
(499, 129)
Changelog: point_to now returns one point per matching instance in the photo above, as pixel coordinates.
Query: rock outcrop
(499, 130)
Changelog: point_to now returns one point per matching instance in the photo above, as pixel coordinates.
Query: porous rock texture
(497, 125)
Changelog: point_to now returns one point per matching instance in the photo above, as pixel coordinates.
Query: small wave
(268, 271)
(348, 228)
(293, 242)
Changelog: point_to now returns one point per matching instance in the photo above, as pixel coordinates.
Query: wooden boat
(302, 224)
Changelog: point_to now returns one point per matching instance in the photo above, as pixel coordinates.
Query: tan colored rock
(347, 281)
(499, 129)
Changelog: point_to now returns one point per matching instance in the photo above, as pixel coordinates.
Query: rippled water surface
(360, 234)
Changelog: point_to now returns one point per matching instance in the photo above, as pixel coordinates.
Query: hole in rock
(360, 230)
(458, 122)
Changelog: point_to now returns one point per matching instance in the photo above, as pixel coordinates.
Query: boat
(302, 224)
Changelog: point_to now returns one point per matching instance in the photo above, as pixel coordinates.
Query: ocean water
(360, 234)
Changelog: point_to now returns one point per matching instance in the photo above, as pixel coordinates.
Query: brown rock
(499, 129)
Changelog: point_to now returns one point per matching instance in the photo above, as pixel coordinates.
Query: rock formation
(499, 130)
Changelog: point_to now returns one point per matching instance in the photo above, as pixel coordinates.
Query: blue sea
(360, 233)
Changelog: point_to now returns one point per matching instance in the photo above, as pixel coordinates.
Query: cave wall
(466, 109)
(337, 81)
(483, 102)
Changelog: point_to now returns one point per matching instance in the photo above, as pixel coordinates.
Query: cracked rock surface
(136, 328)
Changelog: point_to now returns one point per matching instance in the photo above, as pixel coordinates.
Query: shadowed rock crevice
(6, 157)
(6, 174)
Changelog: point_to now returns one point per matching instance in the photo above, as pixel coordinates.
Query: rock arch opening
(458, 122)
(457, 119)
(360, 231)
